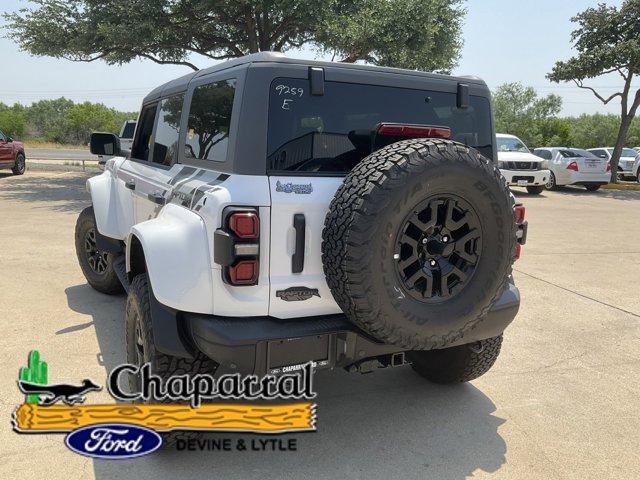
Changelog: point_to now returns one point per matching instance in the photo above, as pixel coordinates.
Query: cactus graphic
(36, 372)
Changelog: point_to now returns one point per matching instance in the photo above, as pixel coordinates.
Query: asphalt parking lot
(561, 402)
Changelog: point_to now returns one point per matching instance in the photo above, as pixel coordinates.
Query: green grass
(34, 143)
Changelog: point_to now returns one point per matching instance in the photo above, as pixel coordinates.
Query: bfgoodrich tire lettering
(358, 245)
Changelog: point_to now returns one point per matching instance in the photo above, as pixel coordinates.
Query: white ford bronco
(274, 212)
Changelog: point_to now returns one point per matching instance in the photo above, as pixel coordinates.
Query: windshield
(626, 152)
(128, 130)
(331, 133)
(509, 144)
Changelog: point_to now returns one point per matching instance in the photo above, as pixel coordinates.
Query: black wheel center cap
(436, 246)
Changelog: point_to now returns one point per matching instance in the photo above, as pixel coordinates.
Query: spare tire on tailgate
(419, 242)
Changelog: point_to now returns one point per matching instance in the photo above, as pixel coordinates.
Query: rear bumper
(263, 345)
(525, 178)
(584, 178)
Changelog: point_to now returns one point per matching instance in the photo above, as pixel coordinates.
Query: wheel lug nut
(432, 262)
(424, 241)
(445, 238)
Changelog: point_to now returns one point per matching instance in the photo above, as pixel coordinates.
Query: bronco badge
(297, 294)
(302, 188)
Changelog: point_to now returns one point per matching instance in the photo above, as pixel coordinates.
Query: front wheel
(20, 165)
(141, 349)
(535, 189)
(457, 364)
(592, 188)
(96, 265)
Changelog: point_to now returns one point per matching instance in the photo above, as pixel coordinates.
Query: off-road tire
(20, 165)
(551, 184)
(535, 189)
(592, 188)
(107, 281)
(457, 364)
(367, 210)
(138, 316)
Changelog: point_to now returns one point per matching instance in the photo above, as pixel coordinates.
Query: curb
(622, 186)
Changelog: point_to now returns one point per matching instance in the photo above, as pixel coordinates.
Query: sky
(504, 41)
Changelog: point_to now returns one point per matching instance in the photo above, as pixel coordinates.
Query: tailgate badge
(299, 188)
(297, 294)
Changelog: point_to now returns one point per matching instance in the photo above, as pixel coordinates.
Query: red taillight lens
(245, 272)
(608, 166)
(413, 131)
(520, 211)
(245, 225)
(518, 251)
(573, 166)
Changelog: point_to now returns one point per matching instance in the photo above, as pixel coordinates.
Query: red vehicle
(12, 154)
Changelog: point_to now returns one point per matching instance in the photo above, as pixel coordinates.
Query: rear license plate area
(291, 353)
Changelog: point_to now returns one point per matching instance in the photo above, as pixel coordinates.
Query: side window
(2, 137)
(599, 153)
(165, 146)
(209, 121)
(142, 142)
(546, 154)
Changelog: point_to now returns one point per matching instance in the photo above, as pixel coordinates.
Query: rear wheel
(20, 165)
(551, 183)
(535, 189)
(97, 265)
(457, 364)
(141, 349)
(592, 188)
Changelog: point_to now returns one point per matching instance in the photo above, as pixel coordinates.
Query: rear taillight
(412, 131)
(573, 166)
(236, 246)
(521, 229)
(245, 225)
(244, 272)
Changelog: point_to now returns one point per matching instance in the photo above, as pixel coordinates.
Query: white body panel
(112, 202)
(314, 206)
(176, 252)
(626, 164)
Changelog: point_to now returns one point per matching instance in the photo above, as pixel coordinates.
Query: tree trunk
(620, 141)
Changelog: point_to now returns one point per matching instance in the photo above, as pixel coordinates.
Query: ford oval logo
(113, 440)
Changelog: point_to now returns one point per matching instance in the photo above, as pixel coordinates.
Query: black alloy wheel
(97, 259)
(438, 248)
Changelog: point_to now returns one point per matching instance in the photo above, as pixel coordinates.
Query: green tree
(422, 34)
(607, 41)
(13, 120)
(595, 130)
(84, 118)
(519, 111)
(46, 118)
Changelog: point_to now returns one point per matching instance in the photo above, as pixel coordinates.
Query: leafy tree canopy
(417, 34)
(607, 40)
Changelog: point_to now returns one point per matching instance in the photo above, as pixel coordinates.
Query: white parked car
(626, 163)
(519, 166)
(573, 166)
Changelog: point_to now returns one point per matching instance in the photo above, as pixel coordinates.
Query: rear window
(332, 133)
(128, 130)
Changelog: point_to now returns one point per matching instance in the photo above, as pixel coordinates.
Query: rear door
(313, 142)
(155, 164)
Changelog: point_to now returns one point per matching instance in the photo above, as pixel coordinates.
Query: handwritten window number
(285, 104)
(287, 90)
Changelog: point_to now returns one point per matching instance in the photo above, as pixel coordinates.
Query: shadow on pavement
(388, 424)
(63, 192)
(604, 193)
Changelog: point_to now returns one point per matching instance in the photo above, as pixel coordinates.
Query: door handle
(157, 197)
(297, 260)
(130, 184)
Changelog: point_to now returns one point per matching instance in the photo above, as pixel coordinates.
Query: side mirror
(106, 144)
(9, 139)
